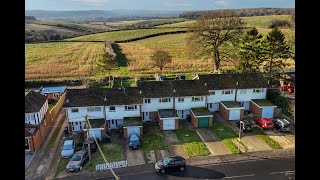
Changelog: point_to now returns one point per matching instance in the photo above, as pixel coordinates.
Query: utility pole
(89, 150)
(239, 139)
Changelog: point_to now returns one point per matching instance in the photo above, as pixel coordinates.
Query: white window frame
(130, 108)
(55, 95)
(212, 92)
(74, 110)
(147, 101)
(112, 110)
(94, 109)
(165, 100)
(243, 91)
(258, 90)
(227, 92)
(197, 98)
(180, 99)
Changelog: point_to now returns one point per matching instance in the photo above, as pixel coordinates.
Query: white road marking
(283, 172)
(229, 177)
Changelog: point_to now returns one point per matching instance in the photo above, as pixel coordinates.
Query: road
(275, 169)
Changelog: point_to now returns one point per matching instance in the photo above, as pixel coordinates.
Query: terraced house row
(168, 101)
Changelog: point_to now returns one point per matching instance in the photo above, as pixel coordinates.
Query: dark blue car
(134, 141)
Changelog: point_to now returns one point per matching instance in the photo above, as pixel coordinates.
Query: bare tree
(161, 58)
(212, 33)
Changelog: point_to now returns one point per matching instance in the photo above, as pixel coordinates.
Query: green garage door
(203, 122)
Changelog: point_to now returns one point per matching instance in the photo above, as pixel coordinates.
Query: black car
(246, 125)
(77, 161)
(93, 145)
(282, 124)
(134, 141)
(171, 163)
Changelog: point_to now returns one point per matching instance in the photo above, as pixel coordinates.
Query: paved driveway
(215, 146)
(175, 148)
(134, 157)
(280, 138)
(254, 143)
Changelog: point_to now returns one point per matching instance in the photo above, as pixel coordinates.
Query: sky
(73, 5)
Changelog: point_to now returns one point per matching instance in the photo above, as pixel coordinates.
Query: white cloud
(179, 4)
(221, 3)
(91, 2)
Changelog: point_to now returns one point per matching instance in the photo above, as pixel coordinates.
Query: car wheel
(181, 168)
(80, 168)
(163, 171)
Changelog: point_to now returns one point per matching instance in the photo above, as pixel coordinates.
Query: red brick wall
(274, 112)
(37, 140)
(155, 116)
(257, 111)
(30, 141)
(125, 132)
(241, 114)
(176, 123)
(224, 112)
(210, 121)
(194, 120)
(141, 131)
(161, 124)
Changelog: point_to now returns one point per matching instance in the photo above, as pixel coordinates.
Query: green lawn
(225, 134)
(273, 144)
(113, 153)
(153, 141)
(124, 84)
(55, 135)
(62, 165)
(192, 143)
(51, 106)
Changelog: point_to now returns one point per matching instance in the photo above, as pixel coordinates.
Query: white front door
(180, 114)
(147, 116)
(234, 114)
(169, 124)
(133, 130)
(113, 124)
(246, 105)
(77, 126)
(213, 107)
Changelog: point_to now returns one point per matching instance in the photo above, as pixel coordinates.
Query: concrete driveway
(215, 146)
(175, 147)
(134, 157)
(280, 138)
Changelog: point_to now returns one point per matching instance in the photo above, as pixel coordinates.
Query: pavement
(215, 146)
(41, 162)
(275, 164)
(175, 147)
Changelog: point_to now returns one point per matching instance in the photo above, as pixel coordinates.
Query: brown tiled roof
(96, 96)
(229, 81)
(157, 89)
(34, 101)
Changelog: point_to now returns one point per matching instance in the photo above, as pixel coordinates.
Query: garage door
(97, 134)
(234, 114)
(169, 124)
(203, 122)
(267, 112)
(133, 130)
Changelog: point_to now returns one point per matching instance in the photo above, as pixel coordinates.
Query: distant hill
(92, 14)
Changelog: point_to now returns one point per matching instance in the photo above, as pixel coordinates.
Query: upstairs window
(227, 92)
(180, 100)
(243, 91)
(130, 108)
(165, 100)
(112, 108)
(94, 109)
(197, 98)
(147, 100)
(74, 110)
(258, 90)
(212, 92)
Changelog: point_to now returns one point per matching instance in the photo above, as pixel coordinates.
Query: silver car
(78, 161)
(67, 149)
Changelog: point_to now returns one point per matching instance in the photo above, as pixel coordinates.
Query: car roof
(266, 119)
(284, 121)
(80, 152)
(175, 158)
(68, 142)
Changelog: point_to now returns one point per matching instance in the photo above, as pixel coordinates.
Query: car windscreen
(67, 147)
(286, 125)
(76, 158)
(134, 138)
(166, 161)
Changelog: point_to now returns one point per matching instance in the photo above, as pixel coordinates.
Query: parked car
(265, 123)
(67, 149)
(93, 145)
(246, 125)
(134, 141)
(170, 164)
(77, 161)
(282, 124)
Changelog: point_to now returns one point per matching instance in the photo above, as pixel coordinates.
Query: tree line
(242, 12)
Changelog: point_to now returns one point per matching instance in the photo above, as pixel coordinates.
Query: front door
(113, 123)
(180, 114)
(147, 116)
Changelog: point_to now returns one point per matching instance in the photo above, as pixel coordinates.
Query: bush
(279, 23)
(276, 98)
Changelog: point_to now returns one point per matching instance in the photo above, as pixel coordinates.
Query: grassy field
(273, 144)
(112, 152)
(225, 134)
(62, 60)
(192, 143)
(123, 35)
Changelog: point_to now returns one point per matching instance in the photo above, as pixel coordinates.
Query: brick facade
(35, 141)
(194, 120)
(224, 112)
(257, 111)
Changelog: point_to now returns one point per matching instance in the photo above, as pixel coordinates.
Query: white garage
(133, 130)
(234, 114)
(96, 133)
(267, 112)
(262, 108)
(168, 124)
(132, 125)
